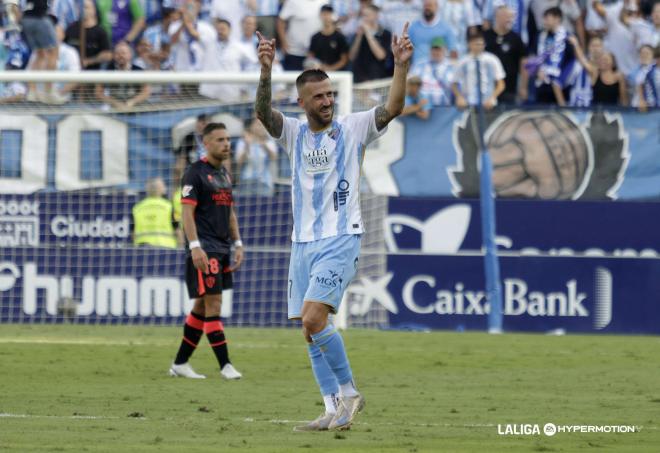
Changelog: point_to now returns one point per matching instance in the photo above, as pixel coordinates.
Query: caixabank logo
(429, 298)
(545, 155)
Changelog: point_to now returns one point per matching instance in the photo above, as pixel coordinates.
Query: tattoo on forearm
(383, 117)
(271, 121)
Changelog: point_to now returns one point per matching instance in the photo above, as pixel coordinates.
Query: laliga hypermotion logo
(543, 155)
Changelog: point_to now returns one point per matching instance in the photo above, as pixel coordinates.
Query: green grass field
(84, 388)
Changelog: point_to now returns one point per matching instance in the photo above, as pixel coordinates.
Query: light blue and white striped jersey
(66, 11)
(491, 71)
(581, 92)
(437, 78)
(325, 173)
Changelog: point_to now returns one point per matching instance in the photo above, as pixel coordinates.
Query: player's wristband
(194, 245)
(238, 243)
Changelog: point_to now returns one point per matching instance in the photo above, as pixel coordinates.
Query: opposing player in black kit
(211, 227)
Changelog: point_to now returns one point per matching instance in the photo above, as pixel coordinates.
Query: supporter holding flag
(554, 62)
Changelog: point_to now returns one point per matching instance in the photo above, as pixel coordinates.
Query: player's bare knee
(313, 324)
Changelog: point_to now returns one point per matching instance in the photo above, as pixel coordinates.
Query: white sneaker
(184, 370)
(229, 372)
(320, 424)
(347, 409)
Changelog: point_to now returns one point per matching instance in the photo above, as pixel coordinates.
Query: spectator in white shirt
(233, 11)
(491, 75)
(188, 36)
(620, 37)
(298, 21)
(224, 55)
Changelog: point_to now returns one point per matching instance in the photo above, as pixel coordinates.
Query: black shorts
(218, 278)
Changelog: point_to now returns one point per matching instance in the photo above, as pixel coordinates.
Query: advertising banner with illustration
(537, 154)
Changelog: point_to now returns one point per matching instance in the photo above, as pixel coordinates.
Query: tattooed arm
(402, 49)
(269, 117)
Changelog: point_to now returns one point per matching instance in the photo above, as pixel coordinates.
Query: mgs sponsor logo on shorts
(329, 279)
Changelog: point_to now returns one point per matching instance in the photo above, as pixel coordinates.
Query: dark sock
(192, 333)
(216, 336)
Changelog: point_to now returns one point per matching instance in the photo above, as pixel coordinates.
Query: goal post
(70, 175)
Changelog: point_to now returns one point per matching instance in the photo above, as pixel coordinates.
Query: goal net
(73, 165)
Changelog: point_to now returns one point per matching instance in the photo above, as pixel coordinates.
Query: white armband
(194, 245)
(238, 243)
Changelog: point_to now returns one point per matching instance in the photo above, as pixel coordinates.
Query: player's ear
(300, 102)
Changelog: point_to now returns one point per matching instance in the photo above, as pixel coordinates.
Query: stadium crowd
(564, 52)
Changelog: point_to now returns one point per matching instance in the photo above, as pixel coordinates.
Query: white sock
(330, 403)
(348, 389)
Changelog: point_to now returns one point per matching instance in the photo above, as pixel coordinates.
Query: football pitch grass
(105, 388)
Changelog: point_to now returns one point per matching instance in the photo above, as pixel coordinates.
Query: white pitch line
(106, 342)
(68, 417)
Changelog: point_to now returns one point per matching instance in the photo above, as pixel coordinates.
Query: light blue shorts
(320, 271)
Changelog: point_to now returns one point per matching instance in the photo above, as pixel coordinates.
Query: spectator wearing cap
(482, 66)
(436, 75)
(329, 46)
(299, 20)
(506, 45)
(416, 102)
(430, 26)
(370, 52)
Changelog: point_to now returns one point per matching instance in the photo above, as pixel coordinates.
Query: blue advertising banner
(540, 294)
(592, 228)
(537, 154)
(129, 286)
(95, 218)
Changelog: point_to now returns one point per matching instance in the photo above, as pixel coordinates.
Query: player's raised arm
(402, 49)
(269, 117)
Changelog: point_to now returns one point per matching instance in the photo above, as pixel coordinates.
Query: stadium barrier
(67, 258)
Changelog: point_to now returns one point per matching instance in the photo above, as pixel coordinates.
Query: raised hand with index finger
(266, 51)
(402, 47)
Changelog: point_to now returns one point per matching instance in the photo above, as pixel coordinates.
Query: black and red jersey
(209, 190)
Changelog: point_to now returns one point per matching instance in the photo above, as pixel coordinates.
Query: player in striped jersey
(326, 154)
